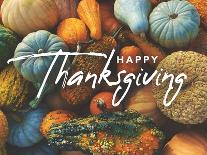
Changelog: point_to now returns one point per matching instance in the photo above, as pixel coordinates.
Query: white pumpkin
(26, 16)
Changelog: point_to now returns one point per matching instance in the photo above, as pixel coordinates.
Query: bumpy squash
(174, 24)
(34, 69)
(15, 91)
(24, 127)
(54, 117)
(89, 13)
(42, 15)
(72, 31)
(3, 128)
(187, 142)
(8, 43)
(78, 94)
(133, 13)
(41, 148)
(108, 133)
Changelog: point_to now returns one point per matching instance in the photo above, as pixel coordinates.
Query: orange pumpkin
(103, 102)
(187, 143)
(109, 23)
(3, 128)
(129, 52)
(54, 117)
(72, 30)
(89, 13)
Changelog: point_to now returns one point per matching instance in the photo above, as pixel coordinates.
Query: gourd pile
(78, 119)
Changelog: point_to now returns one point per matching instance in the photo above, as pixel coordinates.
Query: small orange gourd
(3, 128)
(72, 30)
(109, 23)
(54, 117)
(89, 13)
(129, 53)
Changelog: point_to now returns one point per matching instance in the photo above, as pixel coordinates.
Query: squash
(42, 15)
(108, 20)
(15, 91)
(54, 117)
(200, 43)
(24, 127)
(201, 7)
(174, 24)
(76, 95)
(89, 13)
(126, 53)
(8, 43)
(72, 31)
(133, 13)
(108, 133)
(187, 142)
(41, 148)
(36, 43)
(67, 8)
(3, 129)
(102, 102)
(3, 150)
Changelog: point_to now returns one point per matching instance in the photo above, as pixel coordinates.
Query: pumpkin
(201, 7)
(174, 24)
(72, 31)
(8, 43)
(126, 53)
(142, 101)
(41, 148)
(3, 150)
(24, 127)
(187, 142)
(102, 102)
(42, 15)
(67, 8)
(14, 90)
(3, 128)
(133, 13)
(89, 13)
(54, 117)
(200, 43)
(34, 69)
(108, 20)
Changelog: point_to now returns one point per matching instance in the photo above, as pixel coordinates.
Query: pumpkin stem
(101, 105)
(173, 16)
(40, 51)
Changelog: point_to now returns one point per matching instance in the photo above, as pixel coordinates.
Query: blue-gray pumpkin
(174, 24)
(34, 69)
(133, 13)
(24, 127)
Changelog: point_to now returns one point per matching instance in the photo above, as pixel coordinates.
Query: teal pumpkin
(174, 24)
(34, 69)
(41, 148)
(8, 43)
(24, 127)
(133, 13)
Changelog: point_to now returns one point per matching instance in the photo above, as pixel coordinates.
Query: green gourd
(133, 13)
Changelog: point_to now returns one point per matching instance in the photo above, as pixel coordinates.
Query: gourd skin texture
(24, 129)
(174, 24)
(190, 106)
(8, 43)
(133, 13)
(34, 69)
(26, 16)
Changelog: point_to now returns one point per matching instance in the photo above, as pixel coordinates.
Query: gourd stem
(40, 51)
(173, 16)
(101, 105)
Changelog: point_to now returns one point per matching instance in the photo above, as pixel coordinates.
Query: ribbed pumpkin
(54, 117)
(34, 69)
(15, 91)
(42, 15)
(8, 43)
(89, 13)
(72, 31)
(174, 24)
(24, 127)
(3, 150)
(3, 128)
